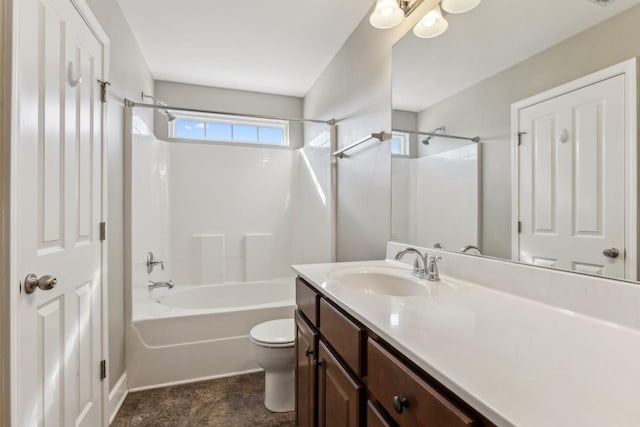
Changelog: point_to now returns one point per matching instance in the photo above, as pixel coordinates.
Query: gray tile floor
(229, 402)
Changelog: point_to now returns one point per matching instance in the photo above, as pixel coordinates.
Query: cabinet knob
(308, 352)
(399, 403)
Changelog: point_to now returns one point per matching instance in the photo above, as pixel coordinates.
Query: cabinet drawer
(344, 336)
(390, 379)
(307, 300)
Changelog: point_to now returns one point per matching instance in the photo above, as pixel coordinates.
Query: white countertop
(516, 361)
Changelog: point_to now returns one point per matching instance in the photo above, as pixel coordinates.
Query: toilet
(274, 342)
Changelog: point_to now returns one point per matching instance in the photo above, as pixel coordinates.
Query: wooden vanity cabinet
(339, 395)
(341, 364)
(306, 374)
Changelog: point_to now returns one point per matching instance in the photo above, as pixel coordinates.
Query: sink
(379, 280)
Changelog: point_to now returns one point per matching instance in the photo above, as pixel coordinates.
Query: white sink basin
(379, 280)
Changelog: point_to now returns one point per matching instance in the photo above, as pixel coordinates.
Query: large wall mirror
(515, 135)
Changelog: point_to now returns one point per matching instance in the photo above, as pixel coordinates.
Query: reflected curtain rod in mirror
(475, 139)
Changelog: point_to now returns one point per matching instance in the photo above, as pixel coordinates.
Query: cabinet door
(339, 395)
(306, 375)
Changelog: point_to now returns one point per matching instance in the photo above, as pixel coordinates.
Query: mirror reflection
(514, 134)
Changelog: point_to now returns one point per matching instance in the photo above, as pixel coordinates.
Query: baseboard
(117, 396)
(195, 380)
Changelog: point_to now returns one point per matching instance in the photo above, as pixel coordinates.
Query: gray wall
(129, 75)
(355, 89)
(484, 109)
(229, 101)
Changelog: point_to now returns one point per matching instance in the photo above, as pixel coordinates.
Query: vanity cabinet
(306, 374)
(339, 395)
(346, 376)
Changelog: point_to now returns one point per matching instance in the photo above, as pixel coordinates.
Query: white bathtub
(197, 332)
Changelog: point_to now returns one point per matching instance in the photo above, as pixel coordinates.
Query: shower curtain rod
(475, 139)
(130, 103)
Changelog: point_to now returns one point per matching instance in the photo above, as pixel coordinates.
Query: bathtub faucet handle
(152, 262)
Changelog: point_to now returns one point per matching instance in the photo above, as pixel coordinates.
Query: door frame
(11, 291)
(628, 69)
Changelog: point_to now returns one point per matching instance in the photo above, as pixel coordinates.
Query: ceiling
(493, 37)
(275, 46)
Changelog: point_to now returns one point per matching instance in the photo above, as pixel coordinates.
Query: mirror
(533, 68)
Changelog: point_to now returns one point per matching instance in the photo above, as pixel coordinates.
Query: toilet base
(279, 391)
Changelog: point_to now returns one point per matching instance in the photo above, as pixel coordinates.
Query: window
(400, 144)
(216, 127)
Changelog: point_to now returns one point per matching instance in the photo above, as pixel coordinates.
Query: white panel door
(57, 194)
(571, 184)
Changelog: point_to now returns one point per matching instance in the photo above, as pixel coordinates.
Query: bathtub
(197, 332)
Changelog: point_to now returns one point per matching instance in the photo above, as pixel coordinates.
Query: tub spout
(153, 285)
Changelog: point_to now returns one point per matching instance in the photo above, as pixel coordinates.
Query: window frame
(232, 121)
(405, 144)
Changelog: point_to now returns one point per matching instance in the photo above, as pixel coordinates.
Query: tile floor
(226, 402)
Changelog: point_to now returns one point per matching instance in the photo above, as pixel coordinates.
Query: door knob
(32, 282)
(611, 253)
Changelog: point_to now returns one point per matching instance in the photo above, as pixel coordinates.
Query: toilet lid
(281, 331)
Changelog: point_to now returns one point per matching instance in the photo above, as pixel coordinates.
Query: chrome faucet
(418, 264)
(432, 274)
(152, 262)
(153, 285)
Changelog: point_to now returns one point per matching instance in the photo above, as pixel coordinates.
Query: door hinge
(103, 369)
(520, 137)
(103, 231)
(519, 227)
(103, 90)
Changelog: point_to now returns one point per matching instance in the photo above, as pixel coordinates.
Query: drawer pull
(399, 403)
(308, 352)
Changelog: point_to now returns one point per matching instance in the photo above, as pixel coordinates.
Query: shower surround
(222, 217)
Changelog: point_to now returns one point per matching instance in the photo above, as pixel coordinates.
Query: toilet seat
(274, 333)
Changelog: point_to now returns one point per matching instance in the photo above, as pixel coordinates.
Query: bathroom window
(400, 144)
(220, 128)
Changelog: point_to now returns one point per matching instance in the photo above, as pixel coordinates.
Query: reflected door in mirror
(572, 179)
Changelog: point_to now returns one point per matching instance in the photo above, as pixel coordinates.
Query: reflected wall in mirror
(566, 196)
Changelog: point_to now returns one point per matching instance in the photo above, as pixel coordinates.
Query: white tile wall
(241, 194)
(436, 199)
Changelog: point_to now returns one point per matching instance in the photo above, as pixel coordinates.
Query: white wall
(436, 198)
(312, 202)
(355, 89)
(150, 204)
(484, 109)
(129, 75)
(231, 212)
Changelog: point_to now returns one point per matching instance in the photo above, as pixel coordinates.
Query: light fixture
(459, 6)
(389, 13)
(431, 25)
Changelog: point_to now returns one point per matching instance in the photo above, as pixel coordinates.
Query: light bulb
(428, 22)
(459, 6)
(431, 25)
(387, 14)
